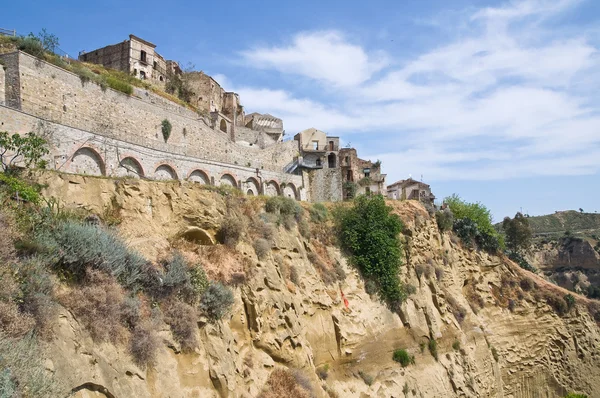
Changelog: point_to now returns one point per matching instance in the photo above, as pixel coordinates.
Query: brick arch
(251, 186)
(165, 171)
(87, 160)
(199, 176)
(228, 179)
(272, 188)
(130, 166)
(289, 191)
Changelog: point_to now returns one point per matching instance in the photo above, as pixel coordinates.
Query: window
(347, 160)
(143, 56)
(135, 72)
(349, 175)
(367, 172)
(160, 78)
(315, 145)
(142, 75)
(155, 66)
(331, 145)
(368, 190)
(319, 162)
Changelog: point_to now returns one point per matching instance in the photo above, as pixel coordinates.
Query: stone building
(359, 176)
(271, 125)
(317, 150)
(135, 56)
(412, 190)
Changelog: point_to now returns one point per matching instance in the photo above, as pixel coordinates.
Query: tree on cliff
(369, 233)
(28, 149)
(518, 232)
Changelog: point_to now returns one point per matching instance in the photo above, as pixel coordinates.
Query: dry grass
(283, 384)
(98, 305)
(144, 344)
(183, 320)
(13, 323)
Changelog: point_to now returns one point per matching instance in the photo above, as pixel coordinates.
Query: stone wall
(114, 56)
(2, 73)
(253, 137)
(56, 95)
(77, 151)
(208, 93)
(325, 185)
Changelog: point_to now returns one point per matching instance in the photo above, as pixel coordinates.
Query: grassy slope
(576, 222)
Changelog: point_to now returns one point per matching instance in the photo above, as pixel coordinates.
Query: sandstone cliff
(494, 338)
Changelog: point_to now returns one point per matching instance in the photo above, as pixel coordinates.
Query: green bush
(119, 85)
(476, 212)
(185, 282)
(369, 233)
(32, 46)
(444, 219)
(17, 187)
(318, 213)
(216, 301)
(456, 345)
(166, 129)
(402, 357)
(28, 149)
(284, 206)
(519, 259)
(76, 247)
(470, 234)
(574, 395)
(570, 300)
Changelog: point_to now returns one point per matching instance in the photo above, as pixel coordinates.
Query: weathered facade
(136, 56)
(359, 176)
(410, 189)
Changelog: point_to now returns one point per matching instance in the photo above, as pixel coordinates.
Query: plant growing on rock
(216, 301)
(166, 128)
(403, 357)
(28, 149)
(369, 233)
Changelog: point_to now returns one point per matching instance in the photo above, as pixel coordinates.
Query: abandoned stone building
(335, 173)
(136, 56)
(99, 131)
(412, 190)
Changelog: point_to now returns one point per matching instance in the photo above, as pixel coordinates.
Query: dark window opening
(142, 75)
(143, 56)
(160, 78)
(331, 145)
(155, 66)
(331, 160)
(319, 162)
(347, 160)
(349, 175)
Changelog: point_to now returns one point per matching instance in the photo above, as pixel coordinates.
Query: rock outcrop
(494, 339)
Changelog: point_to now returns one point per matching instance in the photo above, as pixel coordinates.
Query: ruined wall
(53, 94)
(12, 88)
(77, 151)
(115, 56)
(325, 185)
(258, 138)
(208, 93)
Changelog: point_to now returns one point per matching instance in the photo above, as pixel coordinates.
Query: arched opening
(223, 126)
(87, 161)
(331, 160)
(227, 179)
(251, 186)
(272, 188)
(165, 172)
(200, 177)
(289, 191)
(130, 167)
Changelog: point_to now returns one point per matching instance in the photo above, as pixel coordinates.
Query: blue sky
(495, 100)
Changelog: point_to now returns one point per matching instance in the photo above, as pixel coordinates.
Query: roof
(146, 42)
(408, 181)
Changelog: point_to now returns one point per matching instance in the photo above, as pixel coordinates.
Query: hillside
(302, 320)
(586, 224)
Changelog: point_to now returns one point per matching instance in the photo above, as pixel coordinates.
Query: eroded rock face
(526, 352)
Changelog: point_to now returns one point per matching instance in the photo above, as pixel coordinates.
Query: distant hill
(586, 224)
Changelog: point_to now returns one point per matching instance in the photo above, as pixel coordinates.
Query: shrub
(19, 188)
(410, 289)
(126, 88)
(570, 300)
(231, 231)
(369, 232)
(367, 378)
(283, 206)
(14, 323)
(458, 310)
(403, 357)
(456, 345)
(166, 129)
(284, 384)
(288, 221)
(78, 246)
(419, 269)
(143, 344)
(439, 273)
(519, 259)
(518, 232)
(98, 306)
(22, 372)
(433, 348)
(574, 395)
(559, 304)
(304, 228)
(444, 219)
(262, 247)
(318, 213)
(476, 212)
(470, 234)
(216, 301)
(527, 284)
(183, 320)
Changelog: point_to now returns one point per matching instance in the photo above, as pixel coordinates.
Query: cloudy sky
(495, 100)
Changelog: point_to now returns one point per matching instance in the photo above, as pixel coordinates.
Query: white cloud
(513, 96)
(324, 55)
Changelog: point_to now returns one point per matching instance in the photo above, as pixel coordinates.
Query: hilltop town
(167, 124)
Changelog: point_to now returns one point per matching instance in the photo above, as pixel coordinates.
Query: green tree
(369, 233)
(476, 212)
(28, 149)
(518, 232)
(49, 41)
